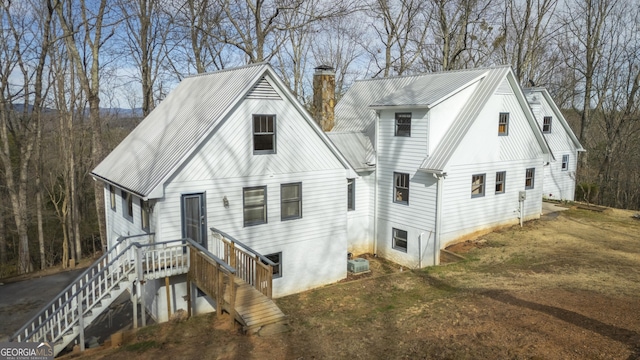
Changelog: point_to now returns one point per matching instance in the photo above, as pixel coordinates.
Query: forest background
(77, 75)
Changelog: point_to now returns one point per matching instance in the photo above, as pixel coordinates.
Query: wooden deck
(253, 309)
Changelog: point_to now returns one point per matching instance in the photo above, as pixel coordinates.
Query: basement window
(277, 268)
(399, 240)
(477, 185)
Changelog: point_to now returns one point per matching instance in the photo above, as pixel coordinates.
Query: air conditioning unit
(358, 265)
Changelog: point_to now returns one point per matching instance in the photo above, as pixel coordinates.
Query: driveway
(19, 301)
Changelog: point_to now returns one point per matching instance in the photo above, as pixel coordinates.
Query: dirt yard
(562, 288)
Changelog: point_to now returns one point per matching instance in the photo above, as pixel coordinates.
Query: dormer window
(403, 124)
(264, 134)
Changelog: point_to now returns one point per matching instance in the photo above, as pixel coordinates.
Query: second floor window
(503, 124)
(264, 134)
(255, 205)
(403, 124)
(546, 125)
(565, 162)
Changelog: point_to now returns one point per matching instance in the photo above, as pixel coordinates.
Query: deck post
(81, 321)
(232, 254)
(188, 296)
(166, 284)
(219, 290)
(232, 300)
(143, 305)
(134, 300)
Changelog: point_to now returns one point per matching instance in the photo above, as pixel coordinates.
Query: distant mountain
(120, 112)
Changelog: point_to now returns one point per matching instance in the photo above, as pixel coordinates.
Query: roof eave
(407, 106)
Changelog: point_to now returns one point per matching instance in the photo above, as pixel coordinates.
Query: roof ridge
(436, 73)
(235, 68)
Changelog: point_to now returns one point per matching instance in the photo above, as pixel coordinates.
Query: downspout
(375, 188)
(436, 250)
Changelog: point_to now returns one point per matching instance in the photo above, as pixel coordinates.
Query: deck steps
(253, 309)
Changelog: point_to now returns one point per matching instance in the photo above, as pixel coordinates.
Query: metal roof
(160, 143)
(356, 148)
(430, 89)
(557, 112)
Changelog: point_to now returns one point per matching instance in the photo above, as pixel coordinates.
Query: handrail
(89, 281)
(123, 238)
(235, 241)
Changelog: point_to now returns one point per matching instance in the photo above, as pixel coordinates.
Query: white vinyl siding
(360, 220)
(118, 225)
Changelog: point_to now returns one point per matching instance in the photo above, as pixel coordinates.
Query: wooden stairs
(254, 310)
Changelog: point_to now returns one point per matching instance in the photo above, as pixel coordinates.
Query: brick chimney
(324, 96)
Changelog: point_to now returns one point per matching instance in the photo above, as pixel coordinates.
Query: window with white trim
(127, 205)
(401, 188)
(565, 162)
(254, 204)
(112, 196)
(144, 214)
(399, 238)
(477, 185)
(529, 178)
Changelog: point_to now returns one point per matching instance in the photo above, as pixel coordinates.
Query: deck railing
(213, 277)
(251, 266)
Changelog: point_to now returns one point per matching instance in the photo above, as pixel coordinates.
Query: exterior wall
(314, 247)
(484, 152)
(558, 184)
(404, 155)
(117, 224)
(360, 220)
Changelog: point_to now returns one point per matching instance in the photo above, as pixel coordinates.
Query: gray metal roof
(153, 150)
(356, 148)
(430, 89)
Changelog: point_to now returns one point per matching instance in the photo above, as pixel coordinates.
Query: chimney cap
(324, 67)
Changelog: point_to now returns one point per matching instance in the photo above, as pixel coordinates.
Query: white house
(456, 153)
(560, 175)
(408, 165)
(235, 151)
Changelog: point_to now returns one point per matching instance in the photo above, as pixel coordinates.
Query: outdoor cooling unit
(358, 265)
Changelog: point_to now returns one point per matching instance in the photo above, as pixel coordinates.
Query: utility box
(522, 196)
(358, 265)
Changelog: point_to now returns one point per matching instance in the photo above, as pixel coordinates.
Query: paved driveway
(19, 301)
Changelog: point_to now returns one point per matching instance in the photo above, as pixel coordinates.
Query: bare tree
(83, 28)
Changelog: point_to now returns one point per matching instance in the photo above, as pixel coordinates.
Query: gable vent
(263, 90)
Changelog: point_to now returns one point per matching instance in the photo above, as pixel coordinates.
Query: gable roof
(356, 148)
(558, 114)
(153, 151)
(356, 110)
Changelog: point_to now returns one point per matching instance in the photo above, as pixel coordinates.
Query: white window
(403, 124)
(565, 162)
(401, 188)
(255, 205)
(529, 178)
(503, 124)
(112, 194)
(500, 181)
(144, 214)
(264, 134)
(351, 194)
(477, 185)
(127, 205)
(399, 240)
(290, 201)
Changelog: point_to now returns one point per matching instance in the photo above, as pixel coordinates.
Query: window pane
(290, 192)
(263, 142)
(290, 210)
(253, 197)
